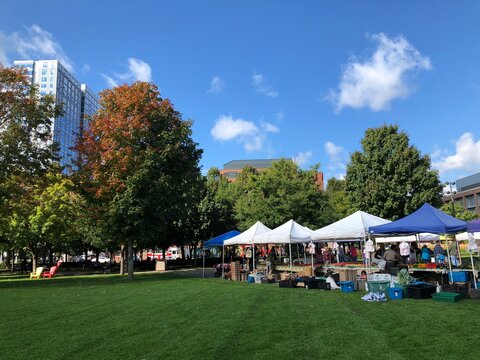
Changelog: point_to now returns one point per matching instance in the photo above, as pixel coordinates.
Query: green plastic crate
(446, 297)
(378, 286)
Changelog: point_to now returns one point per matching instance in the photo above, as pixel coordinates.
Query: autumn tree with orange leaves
(138, 163)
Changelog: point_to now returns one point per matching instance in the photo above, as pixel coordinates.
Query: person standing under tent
(415, 253)
(439, 253)
(353, 253)
(380, 251)
(341, 254)
(426, 253)
(453, 253)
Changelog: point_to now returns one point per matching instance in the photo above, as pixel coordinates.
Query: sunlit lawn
(163, 316)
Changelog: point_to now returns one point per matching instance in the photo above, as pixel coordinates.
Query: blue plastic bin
(458, 276)
(251, 279)
(347, 286)
(395, 293)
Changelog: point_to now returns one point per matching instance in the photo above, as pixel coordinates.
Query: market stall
(427, 219)
(288, 233)
(351, 228)
(217, 241)
(246, 237)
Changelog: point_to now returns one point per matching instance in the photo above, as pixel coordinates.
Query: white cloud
(270, 128)
(377, 81)
(262, 86)
(333, 151)
(138, 70)
(85, 68)
(228, 128)
(466, 157)
(110, 81)
(337, 158)
(302, 158)
(217, 85)
(245, 132)
(35, 44)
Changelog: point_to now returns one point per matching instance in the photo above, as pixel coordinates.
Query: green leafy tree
(459, 211)
(389, 177)
(281, 193)
(217, 205)
(44, 216)
(27, 152)
(138, 161)
(338, 199)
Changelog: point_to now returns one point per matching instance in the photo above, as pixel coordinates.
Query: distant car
(101, 259)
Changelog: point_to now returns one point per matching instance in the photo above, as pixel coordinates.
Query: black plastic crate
(287, 283)
(421, 291)
(312, 283)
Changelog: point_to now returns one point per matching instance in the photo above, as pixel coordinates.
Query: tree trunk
(34, 261)
(122, 266)
(195, 256)
(97, 254)
(130, 260)
(50, 256)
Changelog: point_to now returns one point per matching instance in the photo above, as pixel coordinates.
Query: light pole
(451, 193)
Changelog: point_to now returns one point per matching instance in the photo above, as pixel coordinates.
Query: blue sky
(264, 79)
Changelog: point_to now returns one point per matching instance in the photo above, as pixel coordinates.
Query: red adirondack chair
(50, 273)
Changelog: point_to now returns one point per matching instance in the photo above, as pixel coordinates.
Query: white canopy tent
(464, 236)
(246, 237)
(288, 233)
(408, 238)
(353, 227)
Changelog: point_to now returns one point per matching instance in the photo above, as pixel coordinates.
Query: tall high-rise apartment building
(77, 100)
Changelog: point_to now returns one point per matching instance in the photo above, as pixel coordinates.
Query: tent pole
(311, 253)
(223, 260)
(450, 276)
(290, 254)
(473, 270)
(253, 257)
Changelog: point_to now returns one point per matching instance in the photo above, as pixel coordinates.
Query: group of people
(406, 253)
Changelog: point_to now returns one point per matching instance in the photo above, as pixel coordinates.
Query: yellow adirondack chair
(37, 273)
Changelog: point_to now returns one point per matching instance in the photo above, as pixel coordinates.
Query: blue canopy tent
(425, 219)
(218, 241)
(473, 226)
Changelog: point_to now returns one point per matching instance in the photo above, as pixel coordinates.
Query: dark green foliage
(279, 194)
(389, 177)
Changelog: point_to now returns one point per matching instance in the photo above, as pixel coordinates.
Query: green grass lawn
(163, 316)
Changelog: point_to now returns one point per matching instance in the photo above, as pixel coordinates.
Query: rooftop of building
(468, 182)
(256, 163)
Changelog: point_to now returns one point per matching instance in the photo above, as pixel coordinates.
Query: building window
(44, 71)
(43, 86)
(470, 202)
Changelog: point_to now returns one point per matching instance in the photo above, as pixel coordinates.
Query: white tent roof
(464, 236)
(352, 227)
(408, 238)
(246, 237)
(288, 233)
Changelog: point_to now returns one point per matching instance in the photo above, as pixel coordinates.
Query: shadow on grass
(93, 280)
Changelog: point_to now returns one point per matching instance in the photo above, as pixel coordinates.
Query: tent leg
(473, 270)
(253, 257)
(223, 261)
(290, 253)
(449, 263)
